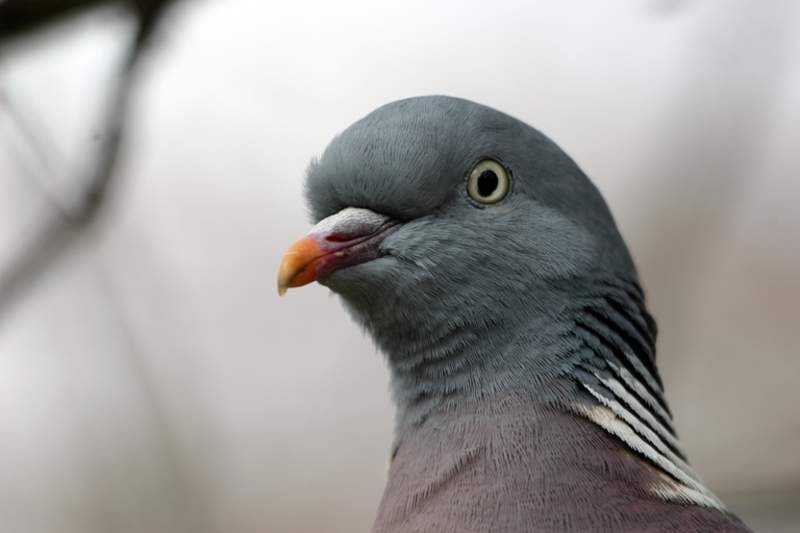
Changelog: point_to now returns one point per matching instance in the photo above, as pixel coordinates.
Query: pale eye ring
(488, 183)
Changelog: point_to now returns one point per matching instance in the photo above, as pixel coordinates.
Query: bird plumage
(521, 351)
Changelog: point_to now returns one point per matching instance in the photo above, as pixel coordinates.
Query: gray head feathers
(531, 301)
(454, 264)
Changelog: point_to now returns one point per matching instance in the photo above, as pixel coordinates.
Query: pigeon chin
(371, 274)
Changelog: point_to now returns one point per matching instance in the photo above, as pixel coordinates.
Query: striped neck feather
(622, 392)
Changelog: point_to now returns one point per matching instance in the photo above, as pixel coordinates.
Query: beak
(350, 237)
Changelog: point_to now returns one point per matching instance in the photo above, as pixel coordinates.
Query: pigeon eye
(488, 182)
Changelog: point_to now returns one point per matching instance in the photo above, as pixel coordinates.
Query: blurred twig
(20, 18)
(61, 228)
(40, 145)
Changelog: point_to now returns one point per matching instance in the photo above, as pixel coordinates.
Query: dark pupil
(487, 183)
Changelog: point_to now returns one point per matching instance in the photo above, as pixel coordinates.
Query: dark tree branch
(20, 18)
(61, 229)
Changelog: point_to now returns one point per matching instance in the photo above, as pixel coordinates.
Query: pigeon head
(489, 269)
(440, 221)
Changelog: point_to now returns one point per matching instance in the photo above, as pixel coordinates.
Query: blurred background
(151, 168)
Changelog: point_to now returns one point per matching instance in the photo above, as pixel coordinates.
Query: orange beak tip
(296, 266)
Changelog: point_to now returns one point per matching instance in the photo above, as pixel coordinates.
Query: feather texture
(522, 355)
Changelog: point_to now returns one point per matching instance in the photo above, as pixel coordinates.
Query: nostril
(337, 237)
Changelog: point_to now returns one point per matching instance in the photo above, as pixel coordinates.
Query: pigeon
(489, 271)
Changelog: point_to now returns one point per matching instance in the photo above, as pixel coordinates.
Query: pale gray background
(154, 382)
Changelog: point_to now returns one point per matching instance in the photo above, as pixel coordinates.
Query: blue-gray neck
(535, 354)
(592, 356)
